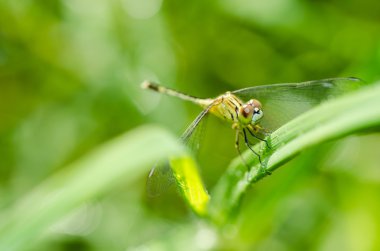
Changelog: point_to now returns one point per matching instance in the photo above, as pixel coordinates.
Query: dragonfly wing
(160, 179)
(195, 128)
(161, 176)
(283, 102)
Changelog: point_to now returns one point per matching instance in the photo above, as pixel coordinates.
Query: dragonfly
(255, 111)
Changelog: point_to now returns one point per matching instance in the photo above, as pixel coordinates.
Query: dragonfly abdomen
(171, 92)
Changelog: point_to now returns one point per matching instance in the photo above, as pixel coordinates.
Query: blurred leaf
(190, 183)
(120, 161)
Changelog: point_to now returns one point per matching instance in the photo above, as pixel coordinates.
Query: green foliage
(69, 83)
(190, 183)
(121, 161)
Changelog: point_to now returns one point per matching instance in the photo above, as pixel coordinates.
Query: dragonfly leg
(257, 137)
(237, 146)
(249, 146)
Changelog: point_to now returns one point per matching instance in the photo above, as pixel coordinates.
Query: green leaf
(336, 118)
(188, 178)
(120, 161)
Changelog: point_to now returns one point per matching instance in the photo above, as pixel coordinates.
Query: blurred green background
(69, 81)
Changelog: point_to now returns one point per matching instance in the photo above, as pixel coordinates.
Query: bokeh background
(69, 81)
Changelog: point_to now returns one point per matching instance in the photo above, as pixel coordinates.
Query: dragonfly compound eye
(255, 103)
(246, 111)
(257, 115)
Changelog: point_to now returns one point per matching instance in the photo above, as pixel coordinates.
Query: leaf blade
(121, 160)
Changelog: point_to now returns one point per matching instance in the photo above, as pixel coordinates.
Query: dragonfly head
(250, 112)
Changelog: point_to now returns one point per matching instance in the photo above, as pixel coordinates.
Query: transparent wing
(282, 102)
(161, 176)
(160, 179)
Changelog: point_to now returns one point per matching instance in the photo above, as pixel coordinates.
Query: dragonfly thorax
(250, 112)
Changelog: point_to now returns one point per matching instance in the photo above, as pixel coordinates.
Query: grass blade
(190, 183)
(120, 161)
